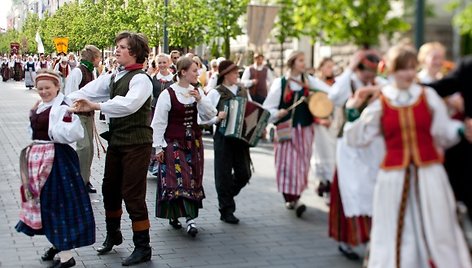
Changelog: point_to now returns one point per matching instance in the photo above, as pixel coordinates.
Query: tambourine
(320, 105)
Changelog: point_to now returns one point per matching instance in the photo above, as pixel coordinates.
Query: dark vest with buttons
(134, 128)
(182, 118)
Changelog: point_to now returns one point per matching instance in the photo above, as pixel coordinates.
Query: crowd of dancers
(379, 156)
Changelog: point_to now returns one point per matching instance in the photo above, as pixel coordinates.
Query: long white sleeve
(60, 130)
(213, 97)
(205, 107)
(56, 67)
(160, 120)
(212, 82)
(272, 101)
(317, 84)
(97, 90)
(341, 89)
(445, 131)
(363, 131)
(140, 89)
(73, 81)
(246, 78)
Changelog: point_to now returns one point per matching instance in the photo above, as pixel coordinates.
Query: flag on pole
(39, 42)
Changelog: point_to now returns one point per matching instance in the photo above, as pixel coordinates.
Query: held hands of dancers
(363, 95)
(83, 105)
(159, 156)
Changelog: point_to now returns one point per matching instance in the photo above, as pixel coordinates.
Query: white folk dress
(431, 232)
(356, 167)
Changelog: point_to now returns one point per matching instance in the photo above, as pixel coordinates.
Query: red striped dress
(292, 160)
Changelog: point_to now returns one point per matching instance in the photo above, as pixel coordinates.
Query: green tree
(285, 26)
(336, 21)
(223, 21)
(63, 24)
(6, 38)
(31, 25)
(150, 22)
(186, 22)
(463, 19)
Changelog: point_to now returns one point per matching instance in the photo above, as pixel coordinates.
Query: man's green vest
(134, 128)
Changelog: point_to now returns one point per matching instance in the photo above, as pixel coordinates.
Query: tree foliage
(189, 23)
(186, 22)
(341, 21)
(463, 19)
(28, 32)
(6, 38)
(224, 16)
(285, 23)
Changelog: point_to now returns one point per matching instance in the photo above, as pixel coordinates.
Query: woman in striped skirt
(293, 150)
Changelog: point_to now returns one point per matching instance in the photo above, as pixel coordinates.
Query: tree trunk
(226, 47)
(281, 58)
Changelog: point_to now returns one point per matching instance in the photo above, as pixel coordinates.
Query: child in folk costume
(161, 80)
(63, 68)
(356, 168)
(30, 72)
(324, 146)
(55, 202)
(414, 221)
(293, 154)
(178, 139)
(232, 158)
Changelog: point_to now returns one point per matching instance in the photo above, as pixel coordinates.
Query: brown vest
(40, 124)
(259, 89)
(87, 76)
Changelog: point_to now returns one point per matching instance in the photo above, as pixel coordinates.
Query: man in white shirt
(126, 97)
(257, 78)
(78, 78)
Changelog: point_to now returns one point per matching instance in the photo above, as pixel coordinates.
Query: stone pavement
(267, 236)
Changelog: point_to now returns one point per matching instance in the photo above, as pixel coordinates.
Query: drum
(245, 120)
(320, 105)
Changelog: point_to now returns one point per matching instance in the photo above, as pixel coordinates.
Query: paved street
(267, 236)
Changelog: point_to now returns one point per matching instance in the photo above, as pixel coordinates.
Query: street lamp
(166, 37)
(419, 25)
